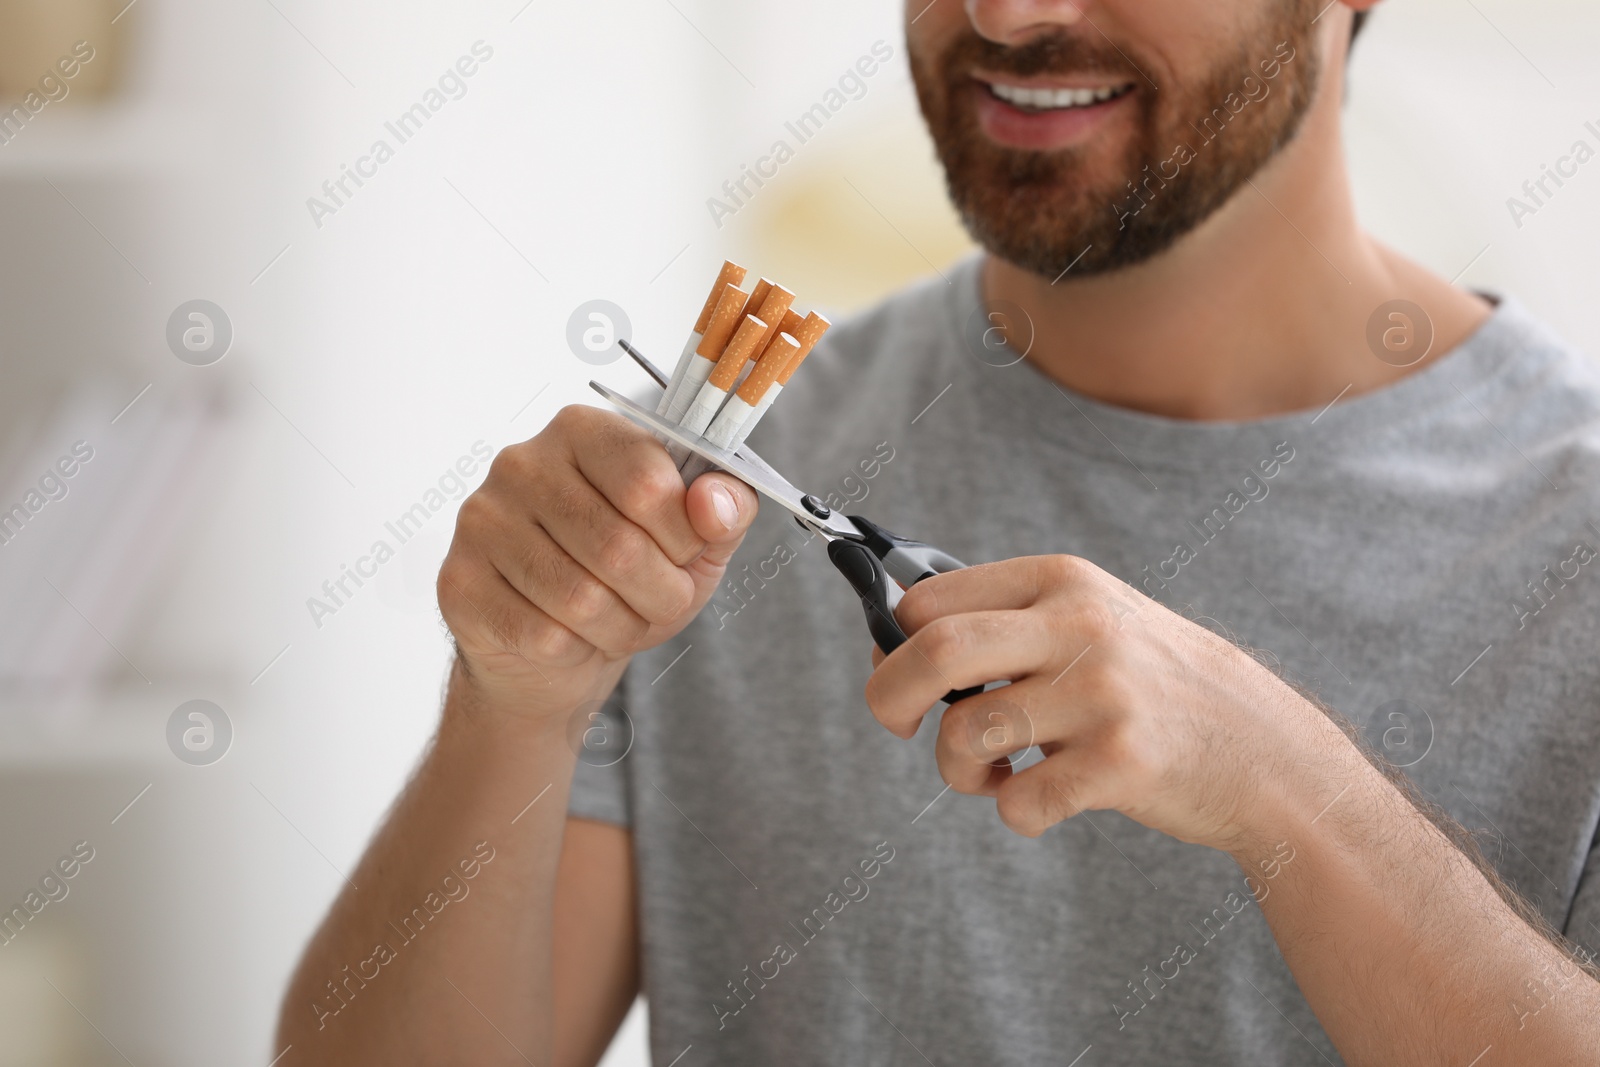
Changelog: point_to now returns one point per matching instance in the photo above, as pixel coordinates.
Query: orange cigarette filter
(738, 353)
(731, 274)
(810, 333)
(720, 327)
(777, 303)
(790, 325)
(758, 296)
(767, 369)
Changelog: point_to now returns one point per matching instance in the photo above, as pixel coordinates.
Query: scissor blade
(762, 479)
(644, 364)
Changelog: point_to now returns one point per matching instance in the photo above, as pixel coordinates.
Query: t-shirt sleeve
(602, 734)
(1583, 920)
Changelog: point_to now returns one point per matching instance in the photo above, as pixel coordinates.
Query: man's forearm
(439, 948)
(1399, 941)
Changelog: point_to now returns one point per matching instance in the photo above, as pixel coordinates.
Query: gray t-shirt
(1422, 557)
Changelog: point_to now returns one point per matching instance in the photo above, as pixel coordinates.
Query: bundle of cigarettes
(744, 349)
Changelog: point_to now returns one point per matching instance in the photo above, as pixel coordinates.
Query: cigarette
(721, 381)
(745, 409)
(792, 321)
(719, 329)
(774, 308)
(805, 338)
(731, 274)
(758, 296)
(728, 430)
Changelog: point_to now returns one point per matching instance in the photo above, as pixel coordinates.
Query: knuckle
(943, 641)
(548, 641)
(476, 516)
(515, 464)
(1119, 745)
(1016, 806)
(1067, 570)
(1094, 621)
(919, 605)
(1102, 686)
(570, 420)
(622, 550)
(586, 598)
(649, 490)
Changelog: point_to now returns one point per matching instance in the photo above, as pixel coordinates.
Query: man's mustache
(1064, 52)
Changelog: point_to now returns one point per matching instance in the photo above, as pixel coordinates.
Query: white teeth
(1051, 99)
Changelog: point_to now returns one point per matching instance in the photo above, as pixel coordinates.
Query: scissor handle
(912, 561)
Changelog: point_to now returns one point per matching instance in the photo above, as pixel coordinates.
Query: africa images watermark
(738, 590)
(406, 125)
(53, 888)
(452, 889)
(54, 86)
(1552, 580)
(1565, 169)
(852, 85)
(853, 888)
(1143, 990)
(1252, 90)
(1255, 490)
(53, 484)
(451, 485)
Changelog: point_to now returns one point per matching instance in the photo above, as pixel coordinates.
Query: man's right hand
(581, 548)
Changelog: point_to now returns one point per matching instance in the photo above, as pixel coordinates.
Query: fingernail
(726, 507)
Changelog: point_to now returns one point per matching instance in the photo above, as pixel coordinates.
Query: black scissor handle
(867, 575)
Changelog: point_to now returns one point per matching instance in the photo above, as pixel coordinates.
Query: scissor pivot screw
(815, 506)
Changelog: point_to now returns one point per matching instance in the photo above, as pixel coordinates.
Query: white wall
(382, 345)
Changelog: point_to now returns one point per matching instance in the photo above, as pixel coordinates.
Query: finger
(493, 621)
(631, 470)
(614, 549)
(720, 508)
(954, 652)
(1049, 792)
(1007, 585)
(979, 735)
(548, 577)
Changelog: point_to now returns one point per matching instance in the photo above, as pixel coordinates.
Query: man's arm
(482, 926)
(596, 941)
(1399, 941)
(1405, 942)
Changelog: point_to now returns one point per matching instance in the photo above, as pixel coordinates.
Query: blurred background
(355, 345)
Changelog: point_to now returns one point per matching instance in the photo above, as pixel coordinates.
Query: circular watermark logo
(199, 732)
(199, 332)
(593, 330)
(1400, 333)
(1404, 732)
(600, 733)
(1000, 729)
(999, 335)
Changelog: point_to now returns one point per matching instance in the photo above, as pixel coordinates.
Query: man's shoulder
(1547, 388)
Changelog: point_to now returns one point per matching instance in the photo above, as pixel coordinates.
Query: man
(1225, 433)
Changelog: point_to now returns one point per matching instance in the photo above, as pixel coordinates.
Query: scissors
(865, 553)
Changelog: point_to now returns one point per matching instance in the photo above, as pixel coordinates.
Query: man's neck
(1262, 310)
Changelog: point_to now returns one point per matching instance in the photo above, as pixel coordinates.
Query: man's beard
(1193, 148)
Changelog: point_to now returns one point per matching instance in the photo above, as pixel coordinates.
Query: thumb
(721, 508)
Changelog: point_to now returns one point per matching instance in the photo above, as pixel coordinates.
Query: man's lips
(1046, 113)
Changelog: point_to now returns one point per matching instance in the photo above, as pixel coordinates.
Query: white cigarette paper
(695, 373)
(679, 372)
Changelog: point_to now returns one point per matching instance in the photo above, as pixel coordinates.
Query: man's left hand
(1135, 708)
